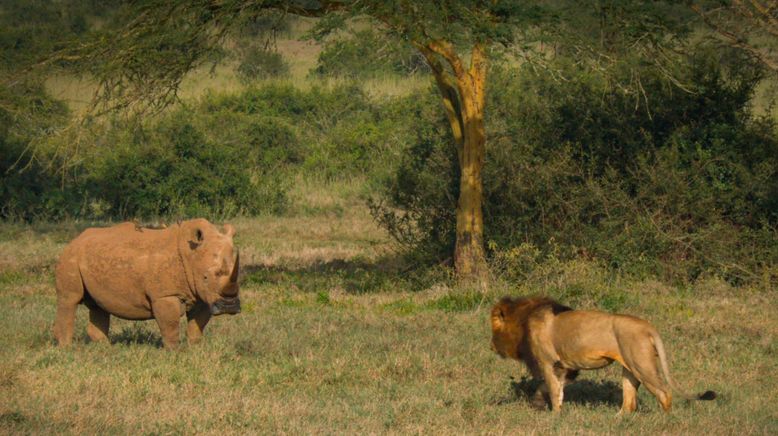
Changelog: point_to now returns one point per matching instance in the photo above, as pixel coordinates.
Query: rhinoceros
(138, 273)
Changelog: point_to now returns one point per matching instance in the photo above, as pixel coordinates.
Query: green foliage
(461, 22)
(424, 184)
(365, 54)
(665, 182)
(344, 133)
(34, 28)
(28, 187)
(174, 170)
(180, 166)
(225, 155)
(258, 63)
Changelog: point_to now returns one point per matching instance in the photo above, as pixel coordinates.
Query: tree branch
(449, 93)
(766, 23)
(445, 49)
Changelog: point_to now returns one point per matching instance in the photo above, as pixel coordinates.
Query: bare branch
(750, 20)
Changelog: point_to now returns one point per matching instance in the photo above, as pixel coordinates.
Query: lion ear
(498, 317)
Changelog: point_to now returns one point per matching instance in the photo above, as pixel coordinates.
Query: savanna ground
(335, 337)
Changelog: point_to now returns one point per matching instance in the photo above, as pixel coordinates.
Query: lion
(555, 342)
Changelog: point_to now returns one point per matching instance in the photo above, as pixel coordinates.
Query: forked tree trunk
(463, 99)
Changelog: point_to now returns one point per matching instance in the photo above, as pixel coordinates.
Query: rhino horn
(235, 269)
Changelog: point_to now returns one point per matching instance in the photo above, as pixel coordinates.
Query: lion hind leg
(641, 362)
(646, 372)
(663, 395)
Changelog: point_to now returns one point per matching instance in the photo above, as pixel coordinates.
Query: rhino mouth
(226, 305)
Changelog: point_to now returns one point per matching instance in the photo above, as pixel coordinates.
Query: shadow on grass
(136, 335)
(355, 276)
(584, 392)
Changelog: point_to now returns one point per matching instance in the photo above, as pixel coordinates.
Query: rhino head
(212, 264)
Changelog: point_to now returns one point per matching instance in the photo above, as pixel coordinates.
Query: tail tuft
(707, 396)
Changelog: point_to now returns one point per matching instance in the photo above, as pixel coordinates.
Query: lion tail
(660, 350)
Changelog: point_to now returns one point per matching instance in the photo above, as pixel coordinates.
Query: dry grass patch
(319, 348)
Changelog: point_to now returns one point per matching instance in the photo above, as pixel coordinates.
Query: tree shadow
(354, 276)
(583, 392)
(136, 335)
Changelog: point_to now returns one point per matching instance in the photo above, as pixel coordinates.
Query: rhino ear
(229, 230)
(197, 239)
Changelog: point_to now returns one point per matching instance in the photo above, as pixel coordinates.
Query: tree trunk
(463, 99)
(469, 255)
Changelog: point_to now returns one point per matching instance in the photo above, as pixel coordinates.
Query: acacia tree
(441, 31)
(140, 60)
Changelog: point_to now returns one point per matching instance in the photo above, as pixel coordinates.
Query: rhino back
(124, 268)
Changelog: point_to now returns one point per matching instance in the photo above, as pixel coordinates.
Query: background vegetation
(333, 157)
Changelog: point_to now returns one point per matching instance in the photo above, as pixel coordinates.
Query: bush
(29, 188)
(223, 155)
(173, 169)
(366, 54)
(682, 187)
(344, 133)
(258, 63)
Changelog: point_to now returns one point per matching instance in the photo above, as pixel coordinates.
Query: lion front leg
(540, 399)
(555, 387)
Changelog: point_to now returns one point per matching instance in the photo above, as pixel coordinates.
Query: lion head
(509, 323)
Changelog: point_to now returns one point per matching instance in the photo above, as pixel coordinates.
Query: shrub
(29, 188)
(366, 54)
(339, 131)
(258, 63)
(223, 155)
(172, 169)
(682, 187)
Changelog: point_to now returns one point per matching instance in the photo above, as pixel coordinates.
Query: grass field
(335, 337)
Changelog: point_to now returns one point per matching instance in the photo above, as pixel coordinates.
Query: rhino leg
(99, 322)
(197, 318)
(167, 312)
(63, 325)
(70, 292)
